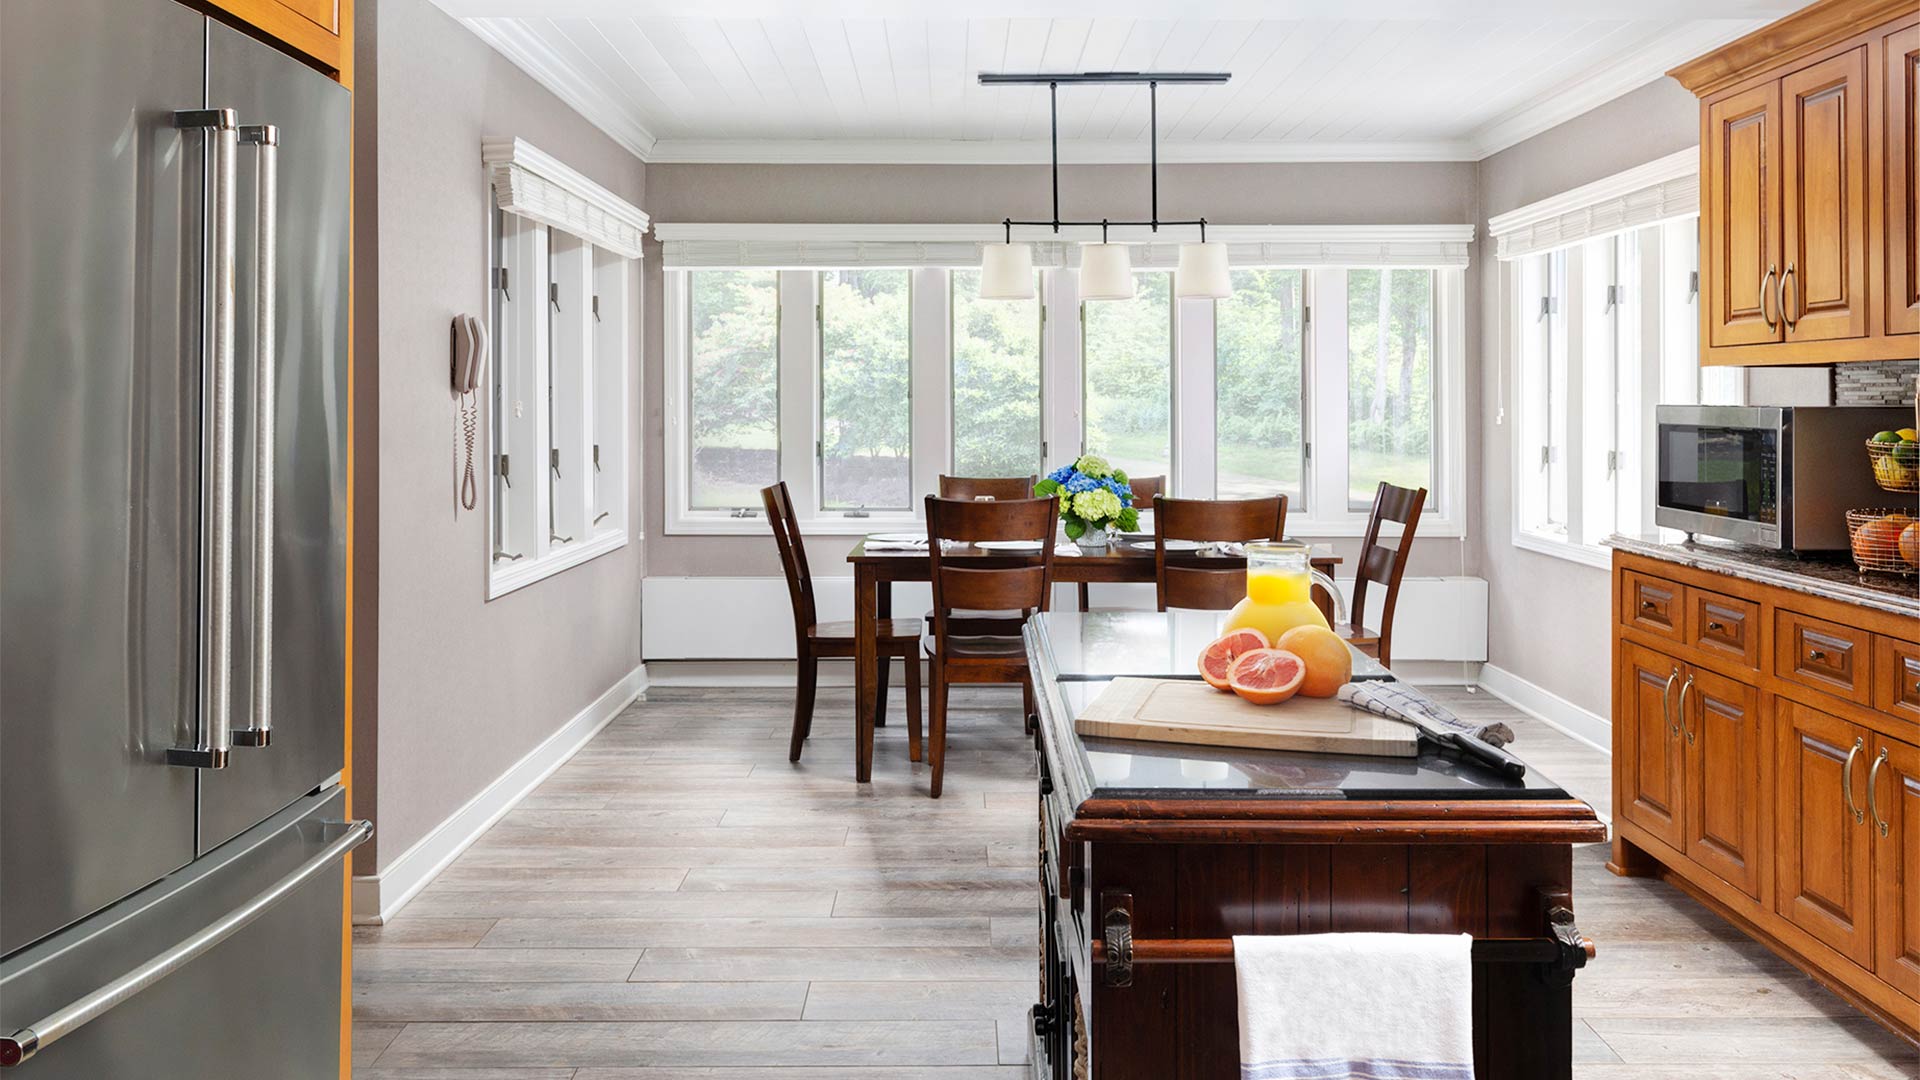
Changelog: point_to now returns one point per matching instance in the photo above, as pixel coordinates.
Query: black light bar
(1132, 78)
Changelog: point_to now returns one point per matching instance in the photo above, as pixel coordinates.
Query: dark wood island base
(1153, 856)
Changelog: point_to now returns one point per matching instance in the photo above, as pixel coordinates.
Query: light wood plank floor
(678, 901)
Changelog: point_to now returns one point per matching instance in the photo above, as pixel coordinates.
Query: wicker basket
(1878, 549)
(1896, 466)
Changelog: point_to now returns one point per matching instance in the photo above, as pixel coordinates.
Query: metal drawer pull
(1768, 319)
(258, 730)
(1873, 792)
(1784, 306)
(1846, 781)
(57, 1025)
(1686, 689)
(1666, 704)
(1647, 605)
(1816, 655)
(1714, 627)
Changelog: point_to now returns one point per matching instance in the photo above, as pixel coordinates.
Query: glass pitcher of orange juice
(1280, 580)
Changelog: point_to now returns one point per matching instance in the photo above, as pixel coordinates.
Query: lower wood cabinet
(1647, 748)
(1893, 811)
(1720, 722)
(1823, 861)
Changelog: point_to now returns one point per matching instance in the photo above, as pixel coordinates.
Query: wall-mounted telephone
(469, 353)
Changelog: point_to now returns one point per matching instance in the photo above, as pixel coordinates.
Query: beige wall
(464, 687)
(1548, 618)
(1302, 194)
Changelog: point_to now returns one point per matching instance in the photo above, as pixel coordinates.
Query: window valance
(538, 186)
(1660, 190)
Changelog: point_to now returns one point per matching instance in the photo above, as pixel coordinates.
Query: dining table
(1128, 559)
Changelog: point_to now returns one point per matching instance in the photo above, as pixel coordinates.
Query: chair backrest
(793, 555)
(1016, 580)
(1382, 564)
(1188, 581)
(1146, 490)
(993, 487)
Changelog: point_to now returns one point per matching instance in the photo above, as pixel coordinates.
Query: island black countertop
(1076, 655)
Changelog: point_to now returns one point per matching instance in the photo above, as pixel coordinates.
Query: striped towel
(1355, 1006)
(1399, 701)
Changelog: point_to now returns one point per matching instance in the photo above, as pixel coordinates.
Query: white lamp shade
(1202, 272)
(1106, 272)
(1006, 271)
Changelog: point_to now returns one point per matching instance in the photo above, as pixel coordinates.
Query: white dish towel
(1355, 1006)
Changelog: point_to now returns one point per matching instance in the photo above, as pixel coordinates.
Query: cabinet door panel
(1896, 869)
(1823, 126)
(1822, 861)
(1740, 208)
(1649, 770)
(1901, 56)
(1723, 749)
(1896, 677)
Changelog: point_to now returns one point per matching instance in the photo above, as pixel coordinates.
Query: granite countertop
(1832, 576)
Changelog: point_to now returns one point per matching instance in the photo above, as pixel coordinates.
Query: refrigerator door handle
(213, 735)
(30, 1040)
(258, 729)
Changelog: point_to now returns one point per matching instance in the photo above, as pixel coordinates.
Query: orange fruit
(1879, 539)
(1266, 676)
(1329, 661)
(1217, 657)
(1910, 544)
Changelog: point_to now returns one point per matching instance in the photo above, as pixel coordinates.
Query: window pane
(865, 410)
(1389, 381)
(996, 382)
(1127, 351)
(1559, 398)
(734, 384)
(1257, 401)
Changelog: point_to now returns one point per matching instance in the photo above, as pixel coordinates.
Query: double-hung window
(996, 395)
(1127, 364)
(1259, 386)
(564, 311)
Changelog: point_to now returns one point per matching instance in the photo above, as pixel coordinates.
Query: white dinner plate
(899, 538)
(1008, 545)
(1172, 545)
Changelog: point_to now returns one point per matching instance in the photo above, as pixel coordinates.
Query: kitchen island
(1152, 856)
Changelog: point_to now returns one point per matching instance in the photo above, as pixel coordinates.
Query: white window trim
(1062, 421)
(528, 184)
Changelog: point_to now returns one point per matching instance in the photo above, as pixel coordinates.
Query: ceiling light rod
(1133, 78)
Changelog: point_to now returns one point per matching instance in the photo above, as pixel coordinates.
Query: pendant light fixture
(1106, 268)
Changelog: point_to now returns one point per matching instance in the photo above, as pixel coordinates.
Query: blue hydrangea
(1078, 482)
(1061, 475)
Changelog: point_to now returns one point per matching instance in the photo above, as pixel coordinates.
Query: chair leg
(912, 664)
(1084, 596)
(880, 700)
(937, 727)
(808, 675)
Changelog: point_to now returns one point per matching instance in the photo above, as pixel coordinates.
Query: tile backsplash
(1885, 382)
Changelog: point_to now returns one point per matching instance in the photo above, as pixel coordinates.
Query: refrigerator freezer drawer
(264, 1002)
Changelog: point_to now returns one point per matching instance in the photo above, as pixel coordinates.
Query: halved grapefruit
(1267, 676)
(1217, 657)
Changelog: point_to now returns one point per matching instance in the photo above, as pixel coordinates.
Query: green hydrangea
(1095, 466)
(1097, 505)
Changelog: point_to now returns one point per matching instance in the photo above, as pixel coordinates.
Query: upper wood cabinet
(1808, 210)
(320, 30)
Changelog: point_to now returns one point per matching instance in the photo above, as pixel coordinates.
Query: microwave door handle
(213, 732)
(266, 138)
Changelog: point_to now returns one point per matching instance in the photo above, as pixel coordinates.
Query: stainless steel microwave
(1779, 477)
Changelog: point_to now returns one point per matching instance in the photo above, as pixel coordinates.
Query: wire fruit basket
(1884, 541)
(1896, 465)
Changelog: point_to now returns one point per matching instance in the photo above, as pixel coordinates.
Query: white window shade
(696, 246)
(1661, 190)
(539, 187)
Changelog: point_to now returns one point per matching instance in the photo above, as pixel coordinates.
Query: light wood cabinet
(1720, 725)
(1807, 204)
(320, 30)
(1823, 860)
(1647, 743)
(1894, 813)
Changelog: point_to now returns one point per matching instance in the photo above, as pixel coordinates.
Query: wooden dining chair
(815, 640)
(987, 487)
(1019, 582)
(1183, 580)
(1146, 489)
(1383, 565)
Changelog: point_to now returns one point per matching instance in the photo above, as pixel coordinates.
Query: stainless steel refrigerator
(173, 399)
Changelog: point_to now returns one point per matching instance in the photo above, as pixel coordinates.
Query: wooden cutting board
(1190, 711)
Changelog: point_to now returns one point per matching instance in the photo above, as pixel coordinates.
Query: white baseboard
(378, 897)
(1548, 707)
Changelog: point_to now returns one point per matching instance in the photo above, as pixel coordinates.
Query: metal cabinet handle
(1816, 655)
(1647, 605)
(1666, 709)
(258, 729)
(1765, 278)
(37, 1036)
(1785, 277)
(1686, 689)
(1714, 627)
(1846, 782)
(1873, 792)
(213, 734)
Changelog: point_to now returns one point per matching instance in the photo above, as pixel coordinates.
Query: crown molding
(1036, 152)
(1596, 88)
(511, 39)
(533, 183)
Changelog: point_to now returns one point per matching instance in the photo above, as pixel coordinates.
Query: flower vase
(1097, 538)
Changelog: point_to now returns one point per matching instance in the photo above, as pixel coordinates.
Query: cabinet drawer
(1724, 626)
(1654, 605)
(1823, 655)
(1896, 677)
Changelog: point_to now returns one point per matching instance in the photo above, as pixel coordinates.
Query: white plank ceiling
(863, 80)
